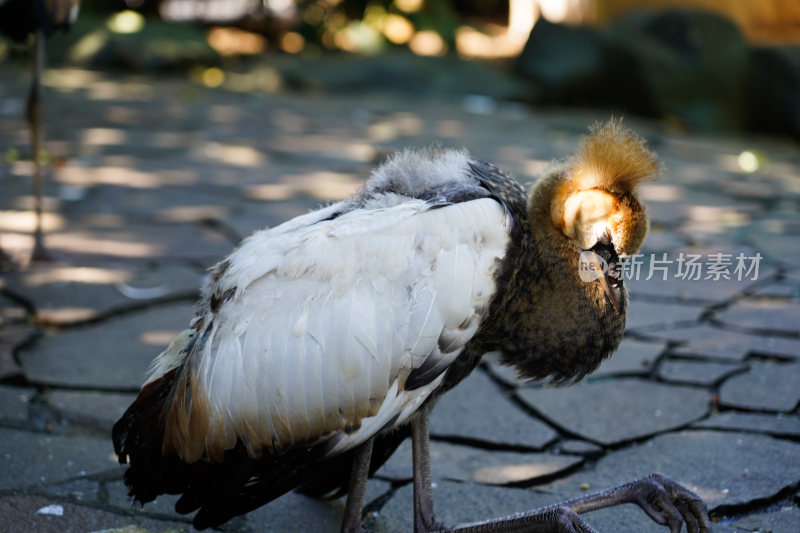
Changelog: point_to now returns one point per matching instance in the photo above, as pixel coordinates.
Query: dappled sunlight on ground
(149, 181)
(103, 136)
(235, 155)
(325, 186)
(508, 474)
(25, 221)
(88, 243)
(331, 146)
(84, 275)
(652, 192)
(111, 175)
(214, 144)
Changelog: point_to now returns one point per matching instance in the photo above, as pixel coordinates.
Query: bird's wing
(312, 331)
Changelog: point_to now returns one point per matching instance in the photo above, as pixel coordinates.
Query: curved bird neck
(545, 320)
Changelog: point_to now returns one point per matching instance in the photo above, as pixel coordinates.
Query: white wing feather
(328, 318)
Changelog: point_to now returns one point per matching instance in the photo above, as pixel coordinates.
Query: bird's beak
(613, 289)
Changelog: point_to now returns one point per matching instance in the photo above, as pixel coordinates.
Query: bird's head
(593, 201)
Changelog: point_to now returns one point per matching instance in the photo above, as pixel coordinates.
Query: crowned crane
(323, 342)
(19, 19)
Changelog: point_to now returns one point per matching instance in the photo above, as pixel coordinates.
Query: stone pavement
(154, 181)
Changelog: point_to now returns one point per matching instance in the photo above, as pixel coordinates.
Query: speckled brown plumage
(545, 320)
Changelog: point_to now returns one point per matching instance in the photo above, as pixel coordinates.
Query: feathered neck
(547, 322)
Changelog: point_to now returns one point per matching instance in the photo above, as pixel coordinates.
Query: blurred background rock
(698, 65)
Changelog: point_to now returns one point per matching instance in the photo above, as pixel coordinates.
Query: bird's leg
(34, 115)
(354, 507)
(424, 518)
(665, 501)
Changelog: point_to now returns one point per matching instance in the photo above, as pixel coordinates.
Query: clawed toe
(671, 504)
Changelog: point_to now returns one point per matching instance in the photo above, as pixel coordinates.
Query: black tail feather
(239, 483)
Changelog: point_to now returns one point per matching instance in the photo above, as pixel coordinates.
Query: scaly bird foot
(671, 504)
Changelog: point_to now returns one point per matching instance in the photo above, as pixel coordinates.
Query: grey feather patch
(430, 369)
(413, 173)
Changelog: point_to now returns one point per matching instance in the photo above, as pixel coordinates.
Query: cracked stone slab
(14, 404)
(490, 416)
(295, 513)
(779, 425)
(28, 458)
(784, 289)
(766, 386)
(457, 503)
(78, 490)
(632, 357)
(64, 295)
(716, 343)
(696, 372)
(594, 410)
(464, 463)
(644, 314)
(781, 249)
(699, 291)
(783, 520)
(100, 410)
(724, 468)
(162, 202)
(764, 315)
(114, 353)
(114, 239)
(47, 515)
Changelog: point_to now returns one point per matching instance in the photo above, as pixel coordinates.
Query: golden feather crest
(613, 158)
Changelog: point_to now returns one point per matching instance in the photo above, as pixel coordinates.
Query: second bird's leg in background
(34, 115)
(354, 507)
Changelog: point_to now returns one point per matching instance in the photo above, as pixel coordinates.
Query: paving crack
(486, 445)
(729, 513)
(119, 311)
